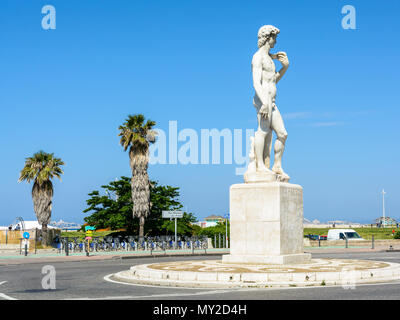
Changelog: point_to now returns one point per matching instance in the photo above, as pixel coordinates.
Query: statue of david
(269, 118)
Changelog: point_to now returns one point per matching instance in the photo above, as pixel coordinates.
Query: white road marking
(4, 296)
(220, 291)
(107, 278)
(156, 295)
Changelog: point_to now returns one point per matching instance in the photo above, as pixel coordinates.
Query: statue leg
(261, 146)
(281, 136)
(267, 149)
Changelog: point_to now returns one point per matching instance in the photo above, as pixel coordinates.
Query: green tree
(136, 135)
(114, 209)
(41, 168)
(210, 232)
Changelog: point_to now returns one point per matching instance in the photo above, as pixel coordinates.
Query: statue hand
(265, 111)
(282, 57)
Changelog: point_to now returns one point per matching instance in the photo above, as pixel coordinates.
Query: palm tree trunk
(141, 227)
(45, 235)
(42, 196)
(140, 186)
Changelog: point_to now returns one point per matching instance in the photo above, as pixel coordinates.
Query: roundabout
(216, 274)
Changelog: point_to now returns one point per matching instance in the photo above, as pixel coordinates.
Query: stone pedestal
(266, 222)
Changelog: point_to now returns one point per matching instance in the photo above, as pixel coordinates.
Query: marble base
(266, 222)
(257, 177)
(264, 259)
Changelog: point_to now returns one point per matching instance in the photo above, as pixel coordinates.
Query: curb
(168, 255)
(79, 258)
(217, 276)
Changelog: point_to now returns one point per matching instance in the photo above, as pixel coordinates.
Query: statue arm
(282, 57)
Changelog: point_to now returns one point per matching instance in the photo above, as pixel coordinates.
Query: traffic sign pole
(176, 238)
(226, 233)
(171, 215)
(26, 236)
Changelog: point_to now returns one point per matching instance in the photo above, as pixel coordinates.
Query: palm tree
(137, 135)
(41, 168)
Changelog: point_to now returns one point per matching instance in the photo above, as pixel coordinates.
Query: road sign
(26, 235)
(89, 234)
(172, 214)
(227, 216)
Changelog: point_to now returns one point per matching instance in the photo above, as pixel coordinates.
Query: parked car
(342, 234)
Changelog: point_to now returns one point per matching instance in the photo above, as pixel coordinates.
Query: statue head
(268, 34)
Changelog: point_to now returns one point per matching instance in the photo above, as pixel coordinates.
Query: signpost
(26, 236)
(176, 215)
(88, 233)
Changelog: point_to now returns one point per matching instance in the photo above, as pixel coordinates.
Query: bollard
(347, 243)
(191, 244)
(319, 241)
(373, 242)
(66, 247)
(26, 249)
(87, 248)
(215, 240)
(219, 240)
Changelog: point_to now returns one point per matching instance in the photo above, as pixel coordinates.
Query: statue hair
(265, 32)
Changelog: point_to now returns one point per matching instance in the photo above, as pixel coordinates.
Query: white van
(342, 234)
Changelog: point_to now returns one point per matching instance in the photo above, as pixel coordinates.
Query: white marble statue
(269, 118)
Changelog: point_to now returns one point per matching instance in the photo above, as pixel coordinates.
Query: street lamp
(383, 207)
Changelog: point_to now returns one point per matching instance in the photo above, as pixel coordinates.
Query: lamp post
(383, 207)
(227, 216)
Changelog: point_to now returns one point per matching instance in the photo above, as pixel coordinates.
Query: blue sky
(67, 90)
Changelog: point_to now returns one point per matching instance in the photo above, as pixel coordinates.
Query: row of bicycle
(130, 243)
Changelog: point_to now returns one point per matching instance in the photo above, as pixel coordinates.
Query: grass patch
(366, 232)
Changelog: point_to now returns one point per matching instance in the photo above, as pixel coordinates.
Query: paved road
(85, 280)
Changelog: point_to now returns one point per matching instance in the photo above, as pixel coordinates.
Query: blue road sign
(227, 216)
(26, 235)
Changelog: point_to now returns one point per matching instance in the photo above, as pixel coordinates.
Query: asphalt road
(85, 280)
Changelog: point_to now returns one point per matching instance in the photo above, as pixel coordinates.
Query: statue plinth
(266, 222)
(257, 177)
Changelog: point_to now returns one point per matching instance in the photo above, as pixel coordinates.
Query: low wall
(395, 243)
(11, 240)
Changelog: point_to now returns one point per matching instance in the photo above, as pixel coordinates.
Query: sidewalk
(44, 256)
